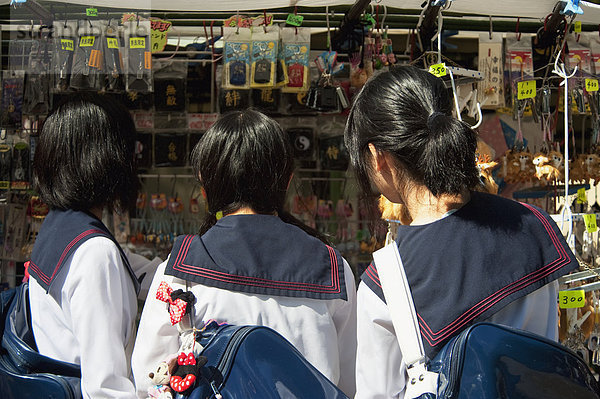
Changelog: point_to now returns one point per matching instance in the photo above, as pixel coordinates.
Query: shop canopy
(537, 9)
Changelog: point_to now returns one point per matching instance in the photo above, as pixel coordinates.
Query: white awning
(537, 9)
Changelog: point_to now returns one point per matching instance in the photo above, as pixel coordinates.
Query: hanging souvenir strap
(521, 78)
(237, 57)
(5, 162)
(20, 163)
(139, 56)
(62, 56)
(113, 61)
(296, 49)
(36, 98)
(491, 88)
(87, 60)
(12, 98)
(264, 56)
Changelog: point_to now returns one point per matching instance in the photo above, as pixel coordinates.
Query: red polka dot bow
(176, 307)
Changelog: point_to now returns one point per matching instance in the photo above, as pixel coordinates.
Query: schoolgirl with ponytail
(469, 256)
(253, 262)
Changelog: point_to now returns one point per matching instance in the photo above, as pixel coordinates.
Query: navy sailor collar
(259, 254)
(467, 266)
(60, 235)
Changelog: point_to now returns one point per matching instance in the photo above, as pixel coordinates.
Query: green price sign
(294, 19)
(91, 12)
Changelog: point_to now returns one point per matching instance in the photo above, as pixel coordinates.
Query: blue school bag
(256, 362)
(24, 372)
(484, 361)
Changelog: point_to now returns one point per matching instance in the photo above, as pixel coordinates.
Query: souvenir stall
(523, 74)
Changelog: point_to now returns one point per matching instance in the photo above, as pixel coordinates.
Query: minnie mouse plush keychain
(180, 303)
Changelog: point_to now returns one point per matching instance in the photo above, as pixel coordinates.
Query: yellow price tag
(590, 222)
(438, 70)
(525, 89)
(112, 42)
(577, 27)
(137, 42)
(581, 197)
(591, 85)
(571, 299)
(87, 41)
(68, 45)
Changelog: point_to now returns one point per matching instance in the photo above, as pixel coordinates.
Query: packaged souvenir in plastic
(12, 98)
(65, 37)
(233, 99)
(303, 142)
(87, 60)
(594, 40)
(333, 153)
(281, 72)
(36, 98)
(5, 163)
(296, 45)
(170, 86)
(519, 67)
(138, 56)
(236, 50)
(263, 56)
(170, 150)
(20, 165)
(114, 79)
(266, 100)
(491, 88)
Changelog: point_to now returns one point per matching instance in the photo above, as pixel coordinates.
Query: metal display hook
(455, 95)
(566, 213)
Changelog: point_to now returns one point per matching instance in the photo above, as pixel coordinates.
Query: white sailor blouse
(256, 269)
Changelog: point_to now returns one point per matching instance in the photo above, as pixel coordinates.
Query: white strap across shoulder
(404, 318)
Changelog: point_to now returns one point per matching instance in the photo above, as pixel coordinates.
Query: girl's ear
(380, 160)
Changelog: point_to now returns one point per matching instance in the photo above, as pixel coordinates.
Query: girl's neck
(425, 208)
(243, 211)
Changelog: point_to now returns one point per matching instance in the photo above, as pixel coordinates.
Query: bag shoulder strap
(404, 318)
(400, 303)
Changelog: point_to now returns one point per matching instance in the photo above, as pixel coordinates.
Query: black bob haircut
(392, 111)
(246, 160)
(85, 156)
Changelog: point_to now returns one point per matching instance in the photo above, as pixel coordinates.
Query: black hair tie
(431, 119)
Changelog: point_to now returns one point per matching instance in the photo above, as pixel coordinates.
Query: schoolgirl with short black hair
(469, 256)
(253, 263)
(82, 286)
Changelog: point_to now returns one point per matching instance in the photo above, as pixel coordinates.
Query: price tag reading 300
(571, 299)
